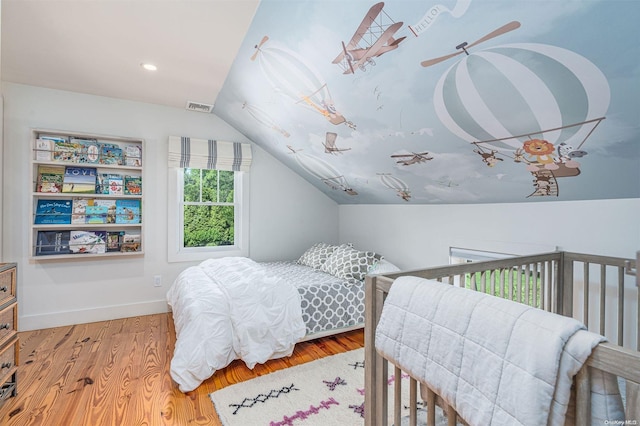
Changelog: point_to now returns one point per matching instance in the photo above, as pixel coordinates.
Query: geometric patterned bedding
(328, 303)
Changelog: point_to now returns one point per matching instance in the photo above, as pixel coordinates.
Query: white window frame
(175, 235)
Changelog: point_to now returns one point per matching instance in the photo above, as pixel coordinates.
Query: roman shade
(185, 152)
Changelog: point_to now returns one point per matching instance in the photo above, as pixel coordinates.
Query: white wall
(415, 236)
(287, 214)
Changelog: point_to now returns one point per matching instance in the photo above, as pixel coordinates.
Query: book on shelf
(109, 205)
(133, 185)
(127, 211)
(131, 241)
(79, 180)
(94, 242)
(116, 185)
(50, 178)
(52, 242)
(79, 210)
(95, 213)
(133, 155)
(53, 212)
(111, 154)
(45, 146)
(114, 240)
(89, 150)
(66, 151)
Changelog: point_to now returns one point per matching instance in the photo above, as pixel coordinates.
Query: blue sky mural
(467, 101)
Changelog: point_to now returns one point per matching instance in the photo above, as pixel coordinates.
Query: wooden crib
(597, 290)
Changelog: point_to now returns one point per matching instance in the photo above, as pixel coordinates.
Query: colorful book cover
(110, 154)
(110, 205)
(50, 178)
(133, 185)
(94, 242)
(116, 185)
(96, 214)
(67, 151)
(79, 213)
(131, 242)
(52, 242)
(79, 180)
(127, 211)
(53, 212)
(133, 155)
(114, 240)
(89, 150)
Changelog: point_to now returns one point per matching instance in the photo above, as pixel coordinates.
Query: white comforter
(495, 361)
(230, 308)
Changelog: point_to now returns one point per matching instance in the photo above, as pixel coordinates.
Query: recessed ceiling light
(149, 67)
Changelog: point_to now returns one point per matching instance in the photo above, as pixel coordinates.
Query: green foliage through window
(208, 208)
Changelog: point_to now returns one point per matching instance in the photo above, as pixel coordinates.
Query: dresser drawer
(8, 362)
(8, 326)
(8, 273)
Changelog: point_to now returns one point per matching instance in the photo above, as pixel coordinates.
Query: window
(208, 217)
(208, 198)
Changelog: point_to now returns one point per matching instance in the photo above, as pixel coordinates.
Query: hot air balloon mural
(534, 103)
(323, 171)
(295, 78)
(263, 118)
(396, 184)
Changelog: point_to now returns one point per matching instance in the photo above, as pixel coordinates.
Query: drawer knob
(6, 325)
(4, 289)
(6, 365)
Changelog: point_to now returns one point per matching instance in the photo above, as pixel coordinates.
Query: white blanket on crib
(495, 361)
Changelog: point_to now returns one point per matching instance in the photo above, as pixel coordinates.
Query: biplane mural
(455, 101)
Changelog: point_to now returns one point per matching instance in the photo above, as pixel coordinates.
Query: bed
(236, 308)
(573, 316)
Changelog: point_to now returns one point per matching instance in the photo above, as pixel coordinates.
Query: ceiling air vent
(199, 107)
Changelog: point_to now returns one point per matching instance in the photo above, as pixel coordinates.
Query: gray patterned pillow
(316, 255)
(349, 264)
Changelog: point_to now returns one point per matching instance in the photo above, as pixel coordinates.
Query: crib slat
(585, 308)
(397, 396)
(431, 407)
(620, 305)
(583, 396)
(413, 398)
(603, 296)
(451, 416)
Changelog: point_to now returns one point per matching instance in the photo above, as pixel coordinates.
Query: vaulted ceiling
(415, 102)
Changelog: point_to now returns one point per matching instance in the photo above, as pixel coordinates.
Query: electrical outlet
(157, 280)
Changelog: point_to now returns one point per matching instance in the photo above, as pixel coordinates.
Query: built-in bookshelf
(87, 195)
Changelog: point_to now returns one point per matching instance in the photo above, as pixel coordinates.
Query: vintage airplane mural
(458, 101)
(373, 38)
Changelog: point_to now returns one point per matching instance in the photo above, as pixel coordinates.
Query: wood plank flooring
(117, 373)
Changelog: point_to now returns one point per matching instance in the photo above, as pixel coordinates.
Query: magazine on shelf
(127, 211)
(133, 185)
(53, 212)
(131, 241)
(52, 242)
(44, 150)
(79, 180)
(94, 242)
(50, 178)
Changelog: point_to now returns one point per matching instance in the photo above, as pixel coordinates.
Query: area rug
(327, 392)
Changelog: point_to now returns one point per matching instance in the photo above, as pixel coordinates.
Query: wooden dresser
(8, 331)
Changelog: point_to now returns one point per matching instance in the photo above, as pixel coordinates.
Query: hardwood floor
(117, 373)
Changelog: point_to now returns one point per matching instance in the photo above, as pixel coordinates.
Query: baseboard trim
(82, 316)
